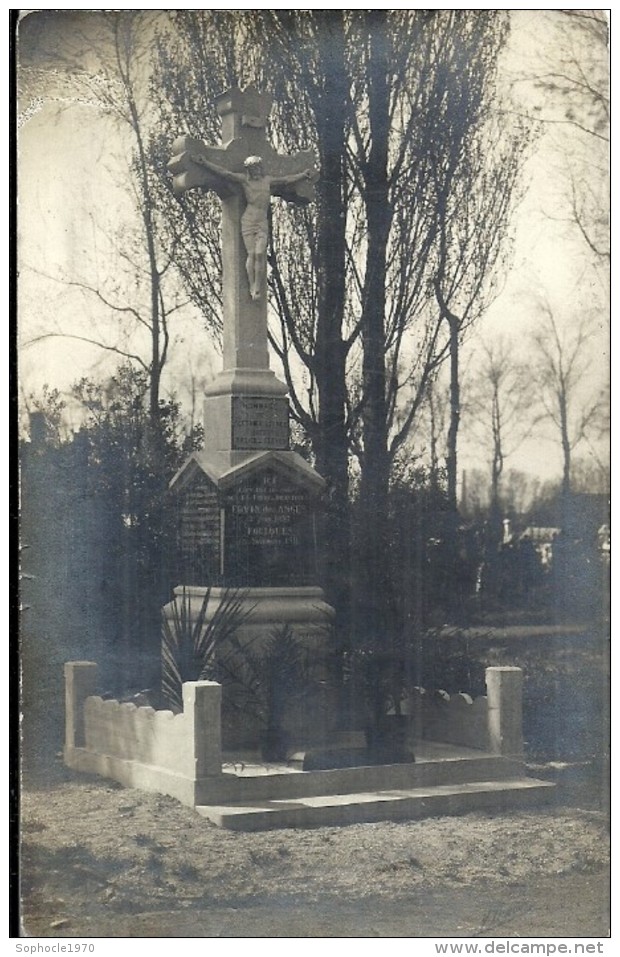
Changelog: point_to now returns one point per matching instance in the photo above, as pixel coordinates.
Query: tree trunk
(566, 448)
(497, 465)
(331, 440)
(374, 602)
(455, 414)
(433, 439)
(566, 517)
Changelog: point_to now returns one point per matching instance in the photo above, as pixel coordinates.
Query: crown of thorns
(253, 161)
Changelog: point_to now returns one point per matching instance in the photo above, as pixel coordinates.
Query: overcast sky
(72, 192)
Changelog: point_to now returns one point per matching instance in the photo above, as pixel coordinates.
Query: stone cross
(225, 169)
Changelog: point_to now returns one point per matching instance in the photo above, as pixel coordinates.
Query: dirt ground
(99, 860)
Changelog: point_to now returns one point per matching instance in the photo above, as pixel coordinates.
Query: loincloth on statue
(253, 232)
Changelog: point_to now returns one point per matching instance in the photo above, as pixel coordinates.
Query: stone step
(380, 805)
(260, 783)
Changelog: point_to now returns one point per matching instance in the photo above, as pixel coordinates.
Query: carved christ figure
(257, 188)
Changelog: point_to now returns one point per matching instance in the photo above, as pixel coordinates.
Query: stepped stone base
(446, 779)
(383, 805)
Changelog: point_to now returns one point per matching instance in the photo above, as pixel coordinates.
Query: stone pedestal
(303, 608)
(246, 518)
(249, 524)
(309, 717)
(245, 410)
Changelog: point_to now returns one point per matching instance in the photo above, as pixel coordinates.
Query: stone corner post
(80, 684)
(505, 710)
(202, 701)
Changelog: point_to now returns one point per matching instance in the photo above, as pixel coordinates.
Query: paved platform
(445, 779)
(248, 764)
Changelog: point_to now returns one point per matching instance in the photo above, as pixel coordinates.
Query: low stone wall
(140, 747)
(455, 719)
(181, 755)
(491, 723)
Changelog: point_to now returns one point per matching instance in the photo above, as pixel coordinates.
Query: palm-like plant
(272, 676)
(265, 680)
(190, 644)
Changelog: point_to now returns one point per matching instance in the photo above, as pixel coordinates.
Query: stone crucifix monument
(246, 505)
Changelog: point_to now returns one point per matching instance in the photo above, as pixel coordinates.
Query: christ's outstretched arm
(290, 180)
(218, 170)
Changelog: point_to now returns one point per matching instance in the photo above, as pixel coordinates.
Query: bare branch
(92, 342)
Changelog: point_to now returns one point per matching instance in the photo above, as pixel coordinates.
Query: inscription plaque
(260, 422)
(199, 532)
(269, 532)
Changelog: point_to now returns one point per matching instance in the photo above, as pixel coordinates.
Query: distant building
(582, 522)
(542, 538)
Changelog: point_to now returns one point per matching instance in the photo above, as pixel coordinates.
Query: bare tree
(563, 359)
(523, 493)
(498, 408)
(591, 474)
(428, 440)
(477, 185)
(574, 82)
(106, 66)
